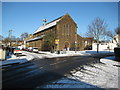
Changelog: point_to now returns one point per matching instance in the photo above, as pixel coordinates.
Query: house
(107, 45)
(65, 30)
(116, 39)
(88, 41)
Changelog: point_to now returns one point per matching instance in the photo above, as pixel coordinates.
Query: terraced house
(65, 30)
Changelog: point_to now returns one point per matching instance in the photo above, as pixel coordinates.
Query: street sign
(57, 41)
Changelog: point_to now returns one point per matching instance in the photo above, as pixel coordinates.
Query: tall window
(54, 30)
(66, 29)
(70, 30)
(63, 31)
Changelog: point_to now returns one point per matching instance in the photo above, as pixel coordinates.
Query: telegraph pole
(9, 36)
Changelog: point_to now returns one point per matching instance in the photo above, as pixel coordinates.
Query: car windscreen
(17, 49)
(35, 48)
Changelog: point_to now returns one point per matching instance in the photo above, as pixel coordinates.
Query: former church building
(65, 30)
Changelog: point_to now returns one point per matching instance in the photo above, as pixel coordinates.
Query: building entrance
(67, 45)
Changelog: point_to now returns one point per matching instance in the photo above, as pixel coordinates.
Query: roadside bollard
(2, 54)
(58, 52)
(117, 53)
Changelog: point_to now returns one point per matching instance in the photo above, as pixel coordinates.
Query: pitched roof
(36, 38)
(79, 36)
(48, 25)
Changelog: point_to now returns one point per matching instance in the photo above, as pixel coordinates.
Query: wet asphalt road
(42, 71)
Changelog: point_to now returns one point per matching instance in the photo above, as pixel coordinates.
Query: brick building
(65, 30)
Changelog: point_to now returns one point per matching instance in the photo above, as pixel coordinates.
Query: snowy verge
(16, 60)
(74, 53)
(109, 61)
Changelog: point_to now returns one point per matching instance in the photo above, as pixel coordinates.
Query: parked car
(35, 49)
(26, 49)
(17, 51)
(30, 49)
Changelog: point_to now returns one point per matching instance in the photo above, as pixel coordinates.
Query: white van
(35, 49)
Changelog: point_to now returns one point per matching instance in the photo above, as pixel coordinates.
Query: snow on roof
(39, 37)
(48, 25)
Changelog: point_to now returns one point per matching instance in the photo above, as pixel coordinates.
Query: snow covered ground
(96, 75)
(73, 53)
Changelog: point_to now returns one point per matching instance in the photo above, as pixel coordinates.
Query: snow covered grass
(95, 75)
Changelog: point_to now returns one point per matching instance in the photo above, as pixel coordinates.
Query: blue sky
(27, 16)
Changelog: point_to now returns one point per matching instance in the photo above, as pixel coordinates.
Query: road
(41, 71)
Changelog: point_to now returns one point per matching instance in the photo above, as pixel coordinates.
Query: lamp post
(57, 45)
(75, 46)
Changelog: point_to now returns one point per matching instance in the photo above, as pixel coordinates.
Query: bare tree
(24, 35)
(97, 29)
(117, 30)
(6, 40)
(110, 34)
